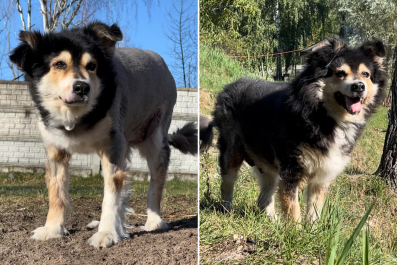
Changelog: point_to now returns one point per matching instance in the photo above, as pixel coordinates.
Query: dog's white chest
(84, 142)
(326, 167)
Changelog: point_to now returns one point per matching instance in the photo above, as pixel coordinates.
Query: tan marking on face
(57, 82)
(343, 84)
(330, 86)
(86, 58)
(58, 76)
(371, 89)
(345, 68)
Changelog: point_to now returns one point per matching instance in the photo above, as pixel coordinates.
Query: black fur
(206, 133)
(185, 139)
(272, 120)
(36, 50)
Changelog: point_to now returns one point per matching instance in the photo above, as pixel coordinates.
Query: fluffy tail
(206, 132)
(185, 139)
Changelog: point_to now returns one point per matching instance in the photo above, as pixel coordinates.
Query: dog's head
(67, 69)
(352, 80)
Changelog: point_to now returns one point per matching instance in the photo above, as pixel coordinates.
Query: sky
(142, 31)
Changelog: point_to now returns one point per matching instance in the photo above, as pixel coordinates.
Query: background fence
(21, 148)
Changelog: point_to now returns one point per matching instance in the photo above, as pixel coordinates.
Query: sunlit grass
(247, 236)
(25, 186)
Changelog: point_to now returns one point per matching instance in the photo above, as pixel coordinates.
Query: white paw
(94, 224)
(271, 212)
(312, 218)
(47, 232)
(154, 224)
(103, 239)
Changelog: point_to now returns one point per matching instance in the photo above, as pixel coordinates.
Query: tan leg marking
(316, 194)
(289, 202)
(57, 177)
(120, 179)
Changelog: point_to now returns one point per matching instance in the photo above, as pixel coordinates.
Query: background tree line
(179, 29)
(255, 27)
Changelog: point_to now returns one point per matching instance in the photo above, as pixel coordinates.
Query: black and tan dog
(92, 97)
(298, 132)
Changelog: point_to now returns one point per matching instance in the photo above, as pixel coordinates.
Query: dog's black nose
(81, 88)
(358, 87)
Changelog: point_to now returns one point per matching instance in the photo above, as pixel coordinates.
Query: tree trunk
(388, 164)
(279, 73)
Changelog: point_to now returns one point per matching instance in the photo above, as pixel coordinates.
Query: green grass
(26, 186)
(247, 236)
(217, 70)
(283, 242)
(366, 158)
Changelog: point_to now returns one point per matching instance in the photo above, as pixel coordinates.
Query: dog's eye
(60, 65)
(91, 67)
(340, 73)
(365, 74)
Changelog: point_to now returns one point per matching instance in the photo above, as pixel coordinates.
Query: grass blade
(334, 243)
(349, 242)
(365, 246)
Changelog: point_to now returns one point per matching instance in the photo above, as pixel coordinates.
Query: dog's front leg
(57, 177)
(316, 193)
(157, 153)
(111, 225)
(288, 193)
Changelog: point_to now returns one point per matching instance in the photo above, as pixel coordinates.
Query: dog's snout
(81, 88)
(358, 87)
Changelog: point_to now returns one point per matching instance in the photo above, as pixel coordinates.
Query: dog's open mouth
(351, 105)
(75, 101)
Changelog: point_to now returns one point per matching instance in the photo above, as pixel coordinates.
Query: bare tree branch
(44, 13)
(77, 8)
(61, 14)
(20, 11)
(10, 65)
(180, 32)
(29, 15)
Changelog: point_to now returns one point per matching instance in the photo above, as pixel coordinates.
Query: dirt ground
(178, 245)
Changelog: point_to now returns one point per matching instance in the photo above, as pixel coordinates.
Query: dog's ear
(107, 35)
(331, 44)
(375, 50)
(324, 52)
(22, 56)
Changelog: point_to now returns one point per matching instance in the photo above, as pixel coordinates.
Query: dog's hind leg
(57, 177)
(268, 179)
(316, 193)
(230, 159)
(157, 153)
(111, 226)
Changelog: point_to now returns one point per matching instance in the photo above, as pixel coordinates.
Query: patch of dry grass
(207, 102)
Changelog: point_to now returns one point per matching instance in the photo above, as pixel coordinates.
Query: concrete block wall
(21, 148)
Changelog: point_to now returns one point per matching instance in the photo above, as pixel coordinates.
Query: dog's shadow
(212, 204)
(177, 225)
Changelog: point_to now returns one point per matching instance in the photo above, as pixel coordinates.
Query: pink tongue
(353, 106)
